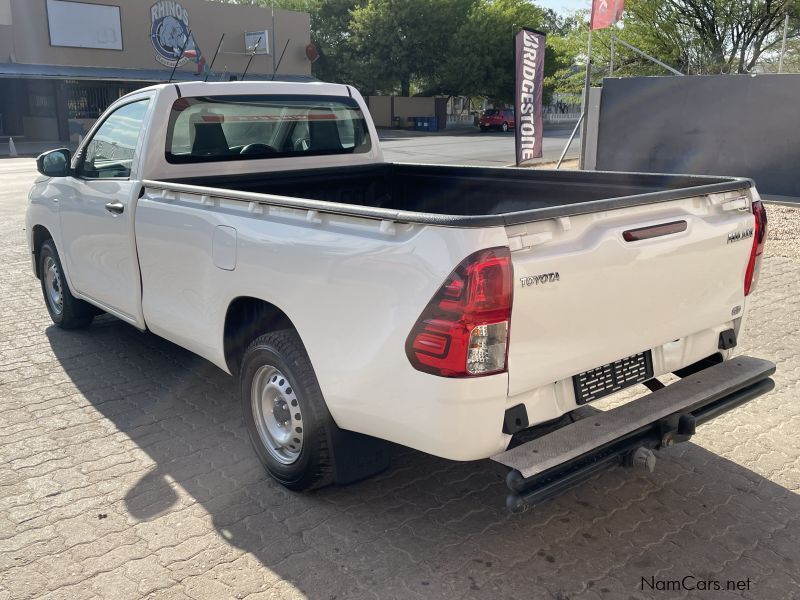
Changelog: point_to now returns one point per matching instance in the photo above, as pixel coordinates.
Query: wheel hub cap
(277, 415)
(53, 286)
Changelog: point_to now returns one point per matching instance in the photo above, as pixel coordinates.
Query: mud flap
(357, 456)
(547, 465)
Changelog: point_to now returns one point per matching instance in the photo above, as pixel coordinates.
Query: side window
(110, 152)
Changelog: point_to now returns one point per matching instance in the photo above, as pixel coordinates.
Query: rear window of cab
(223, 128)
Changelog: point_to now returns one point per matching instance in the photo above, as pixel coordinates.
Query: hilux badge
(738, 236)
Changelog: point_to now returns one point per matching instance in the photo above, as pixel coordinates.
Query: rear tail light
(463, 332)
(759, 239)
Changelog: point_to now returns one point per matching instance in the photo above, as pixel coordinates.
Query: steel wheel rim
(277, 415)
(53, 285)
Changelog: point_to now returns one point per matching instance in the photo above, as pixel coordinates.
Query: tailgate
(589, 291)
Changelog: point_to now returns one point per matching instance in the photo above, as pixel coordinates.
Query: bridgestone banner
(529, 75)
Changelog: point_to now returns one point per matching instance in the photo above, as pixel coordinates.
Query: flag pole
(586, 86)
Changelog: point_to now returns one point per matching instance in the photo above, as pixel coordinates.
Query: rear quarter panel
(353, 292)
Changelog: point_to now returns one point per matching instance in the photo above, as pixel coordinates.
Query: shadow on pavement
(426, 527)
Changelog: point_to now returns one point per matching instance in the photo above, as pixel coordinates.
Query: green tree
(791, 59)
(711, 36)
(330, 33)
(400, 42)
(480, 61)
(696, 37)
(571, 47)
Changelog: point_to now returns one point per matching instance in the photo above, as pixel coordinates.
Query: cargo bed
(456, 196)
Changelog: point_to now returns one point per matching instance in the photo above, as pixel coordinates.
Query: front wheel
(284, 411)
(66, 311)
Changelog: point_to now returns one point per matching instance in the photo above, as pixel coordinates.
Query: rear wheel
(284, 411)
(504, 127)
(66, 311)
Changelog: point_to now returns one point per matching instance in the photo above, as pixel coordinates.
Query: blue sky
(563, 6)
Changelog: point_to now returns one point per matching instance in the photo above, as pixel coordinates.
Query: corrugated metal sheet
(112, 74)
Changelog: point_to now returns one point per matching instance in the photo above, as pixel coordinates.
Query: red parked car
(497, 118)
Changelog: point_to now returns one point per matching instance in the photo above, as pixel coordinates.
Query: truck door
(97, 215)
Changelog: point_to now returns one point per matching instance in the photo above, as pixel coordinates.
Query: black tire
(484, 129)
(504, 127)
(284, 351)
(72, 313)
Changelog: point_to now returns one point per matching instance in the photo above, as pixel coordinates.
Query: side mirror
(55, 163)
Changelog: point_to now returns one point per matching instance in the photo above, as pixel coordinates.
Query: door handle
(115, 208)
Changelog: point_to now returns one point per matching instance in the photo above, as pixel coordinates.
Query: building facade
(62, 62)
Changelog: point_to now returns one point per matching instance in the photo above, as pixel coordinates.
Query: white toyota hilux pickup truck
(466, 312)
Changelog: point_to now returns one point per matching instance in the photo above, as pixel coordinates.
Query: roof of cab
(231, 88)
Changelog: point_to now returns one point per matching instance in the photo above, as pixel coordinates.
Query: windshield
(215, 128)
(489, 113)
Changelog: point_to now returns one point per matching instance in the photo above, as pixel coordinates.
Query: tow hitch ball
(673, 430)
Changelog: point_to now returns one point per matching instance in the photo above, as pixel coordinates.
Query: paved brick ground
(125, 472)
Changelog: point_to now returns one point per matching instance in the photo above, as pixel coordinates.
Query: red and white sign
(605, 13)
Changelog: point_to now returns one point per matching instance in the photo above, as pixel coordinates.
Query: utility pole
(586, 86)
(272, 51)
(611, 62)
(783, 44)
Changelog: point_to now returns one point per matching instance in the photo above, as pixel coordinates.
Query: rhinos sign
(169, 32)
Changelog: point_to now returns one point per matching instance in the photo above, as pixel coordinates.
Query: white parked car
(449, 309)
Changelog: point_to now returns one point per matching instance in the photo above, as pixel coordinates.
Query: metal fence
(738, 125)
(469, 120)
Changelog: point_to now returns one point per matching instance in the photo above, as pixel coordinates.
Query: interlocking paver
(125, 472)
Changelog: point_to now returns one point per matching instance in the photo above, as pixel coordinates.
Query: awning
(112, 74)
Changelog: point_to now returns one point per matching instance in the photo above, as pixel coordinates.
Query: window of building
(88, 100)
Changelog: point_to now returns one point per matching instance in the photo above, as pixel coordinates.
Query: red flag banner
(529, 77)
(605, 13)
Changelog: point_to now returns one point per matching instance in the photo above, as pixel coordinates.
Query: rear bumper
(545, 466)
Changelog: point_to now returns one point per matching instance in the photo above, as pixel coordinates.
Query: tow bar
(627, 435)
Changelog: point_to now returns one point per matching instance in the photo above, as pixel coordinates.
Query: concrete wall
(414, 107)
(723, 125)
(380, 107)
(590, 160)
(384, 108)
(40, 128)
(6, 32)
(5, 12)
(207, 20)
